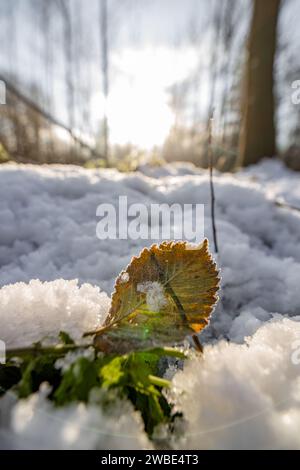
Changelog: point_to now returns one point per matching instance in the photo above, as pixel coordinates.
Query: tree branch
(30, 104)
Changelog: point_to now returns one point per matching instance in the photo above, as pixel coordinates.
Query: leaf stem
(37, 349)
(159, 381)
(197, 343)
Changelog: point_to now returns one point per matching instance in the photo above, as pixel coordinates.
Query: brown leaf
(165, 294)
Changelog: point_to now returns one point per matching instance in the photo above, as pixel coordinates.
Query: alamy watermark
(2, 92)
(150, 222)
(295, 357)
(296, 94)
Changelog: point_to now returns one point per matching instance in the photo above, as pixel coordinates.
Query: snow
(29, 312)
(35, 423)
(243, 396)
(71, 357)
(48, 239)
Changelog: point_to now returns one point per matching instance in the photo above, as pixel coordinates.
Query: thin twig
(211, 182)
(285, 205)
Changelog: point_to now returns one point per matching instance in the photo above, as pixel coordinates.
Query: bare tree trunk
(257, 135)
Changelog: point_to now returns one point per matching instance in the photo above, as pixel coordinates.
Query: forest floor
(57, 275)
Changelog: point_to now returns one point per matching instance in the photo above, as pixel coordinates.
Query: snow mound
(48, 231)
(29, 312)
(241, 394)
(244, 396)
(35, 423)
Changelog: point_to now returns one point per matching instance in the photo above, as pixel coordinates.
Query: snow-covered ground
(243, 393)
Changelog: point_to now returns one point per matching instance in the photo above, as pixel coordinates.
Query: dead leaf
(165, 294)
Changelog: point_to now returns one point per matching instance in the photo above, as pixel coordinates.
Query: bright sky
(138, 105)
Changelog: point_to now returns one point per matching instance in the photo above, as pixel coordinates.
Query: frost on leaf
(165, 294)
(124, 277)
(155, 295)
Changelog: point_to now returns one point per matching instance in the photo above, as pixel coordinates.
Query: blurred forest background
(121, 82)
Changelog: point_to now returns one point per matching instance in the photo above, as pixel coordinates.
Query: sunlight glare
(138, 109)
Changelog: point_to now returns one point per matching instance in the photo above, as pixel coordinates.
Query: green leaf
(65, 338)
(135, 376)
(36, 371)
(112, 373)
(77, 382)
